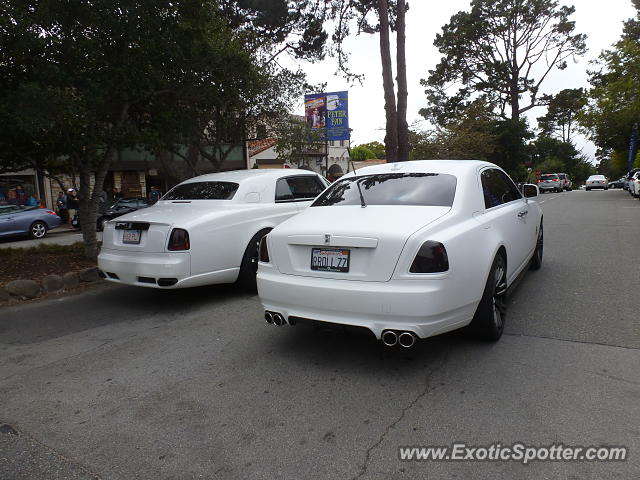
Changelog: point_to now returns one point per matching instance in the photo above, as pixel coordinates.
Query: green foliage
(614, 99)
(494, 50)
(471, 136)
(80, 81)
(561, 113)
(376, 148)
(551, 155)
(361, 153)
(297, 142)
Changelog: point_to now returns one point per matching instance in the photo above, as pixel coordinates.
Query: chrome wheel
(499, 296)
(38, 230)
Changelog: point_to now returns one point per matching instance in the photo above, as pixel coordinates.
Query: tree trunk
(89, 202)
(403, 128)
(90, 198)
(391, 136)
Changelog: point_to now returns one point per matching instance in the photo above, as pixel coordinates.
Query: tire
(249, 265)
(488, 321)
(587, 189)
(38, 230)
(536, 260)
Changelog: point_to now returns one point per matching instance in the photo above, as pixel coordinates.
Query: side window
(498, 188)
(283, 191)
(304, 187)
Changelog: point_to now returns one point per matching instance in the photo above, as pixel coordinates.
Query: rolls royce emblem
(327, 238)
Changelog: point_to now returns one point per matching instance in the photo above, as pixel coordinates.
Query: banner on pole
(328, 112)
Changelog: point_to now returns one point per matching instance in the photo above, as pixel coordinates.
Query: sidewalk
(62, 235)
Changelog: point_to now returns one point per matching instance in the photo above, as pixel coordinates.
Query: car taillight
(555, 179)
(50, 212)
(264, 250)
(431, 258)
(179, 240)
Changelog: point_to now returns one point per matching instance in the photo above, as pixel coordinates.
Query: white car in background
(407, 250)
(597, 181)
(634, 184)
(206, 230)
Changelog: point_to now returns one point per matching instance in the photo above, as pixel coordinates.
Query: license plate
(131, 236)
(330, 259)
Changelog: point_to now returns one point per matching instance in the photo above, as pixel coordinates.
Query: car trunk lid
(371, 238)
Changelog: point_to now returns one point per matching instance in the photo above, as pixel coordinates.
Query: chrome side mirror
(529, 190)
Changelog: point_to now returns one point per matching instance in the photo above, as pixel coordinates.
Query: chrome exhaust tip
(407, 339)
(389, 338)
(278, 319)
(268, 316)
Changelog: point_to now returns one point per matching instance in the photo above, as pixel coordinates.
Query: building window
(331, 143)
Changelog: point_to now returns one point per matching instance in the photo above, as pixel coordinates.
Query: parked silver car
(550, 182)
(567, 184)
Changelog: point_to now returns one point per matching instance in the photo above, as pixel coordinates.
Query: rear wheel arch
(249, 265)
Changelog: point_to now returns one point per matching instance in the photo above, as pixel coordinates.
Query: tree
(361, 153)
(112, 75)
(297, 142)
(613, 106)
(503, 49)
(551, 155)
(382, 17)
(471, 136)
(376, 148)
(562, 110)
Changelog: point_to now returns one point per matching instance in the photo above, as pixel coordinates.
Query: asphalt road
(129, 383)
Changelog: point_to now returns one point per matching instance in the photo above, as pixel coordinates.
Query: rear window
(202, 191)
(563, 176)
(426, 189)
(548, 177)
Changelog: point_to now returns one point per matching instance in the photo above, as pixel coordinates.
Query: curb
(27, 289)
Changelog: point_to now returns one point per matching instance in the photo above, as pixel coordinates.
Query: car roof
(239, 176)
(425, 166)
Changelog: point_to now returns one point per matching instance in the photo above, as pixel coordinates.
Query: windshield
(202, 191)
(125, 203)
(426, 189)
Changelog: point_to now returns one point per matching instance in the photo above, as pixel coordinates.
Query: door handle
(522, 213)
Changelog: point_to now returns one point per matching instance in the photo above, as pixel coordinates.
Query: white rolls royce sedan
(205, 230)
(407, 250)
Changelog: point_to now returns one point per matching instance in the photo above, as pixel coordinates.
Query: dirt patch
(35, 263)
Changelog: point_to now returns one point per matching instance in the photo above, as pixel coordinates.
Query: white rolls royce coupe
(205, 230)
(407, 250)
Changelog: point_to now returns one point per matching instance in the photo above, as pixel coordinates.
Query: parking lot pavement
(60, 236)
(140, 383)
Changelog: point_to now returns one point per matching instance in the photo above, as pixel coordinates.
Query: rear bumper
(424, 307)
(130, 267)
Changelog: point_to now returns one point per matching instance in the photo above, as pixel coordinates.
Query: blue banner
(633, 146)
(328, 112)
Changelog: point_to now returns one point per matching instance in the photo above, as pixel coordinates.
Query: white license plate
(330, 259)
(131, 236)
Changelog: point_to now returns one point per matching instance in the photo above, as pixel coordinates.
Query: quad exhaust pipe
(392, 338)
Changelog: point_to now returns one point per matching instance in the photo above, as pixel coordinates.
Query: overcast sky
(601, 21)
